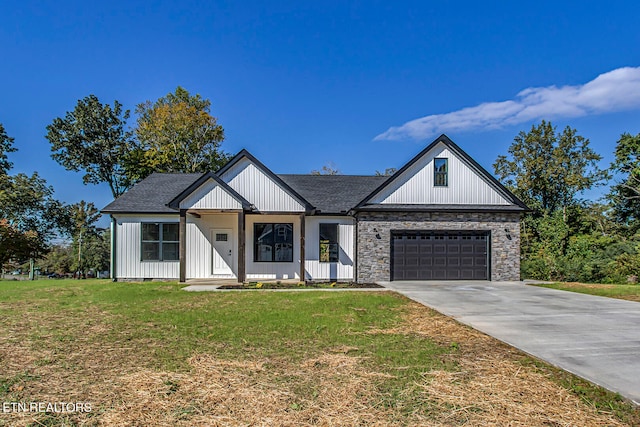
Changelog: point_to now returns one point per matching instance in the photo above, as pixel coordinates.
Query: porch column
(182, 232)
(302, 238)
(241, 247)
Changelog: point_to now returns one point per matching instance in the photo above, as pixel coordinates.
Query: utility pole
(79, 253)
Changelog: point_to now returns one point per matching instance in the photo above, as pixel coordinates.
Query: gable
(468, 184)
(415, 185)
(210, 195)
(259, 187)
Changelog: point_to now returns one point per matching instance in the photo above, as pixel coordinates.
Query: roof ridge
(336, 175)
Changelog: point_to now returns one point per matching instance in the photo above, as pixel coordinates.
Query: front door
(222, 251)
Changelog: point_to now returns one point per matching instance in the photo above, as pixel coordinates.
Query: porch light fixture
(506, 230)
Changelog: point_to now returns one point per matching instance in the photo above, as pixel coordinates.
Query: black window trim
(273, 250)
(437, 173)
(337, 243)
(160, 241)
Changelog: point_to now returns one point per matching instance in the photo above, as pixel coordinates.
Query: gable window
(440, 172)
(329, 249)
(273, 242)
(160, 241)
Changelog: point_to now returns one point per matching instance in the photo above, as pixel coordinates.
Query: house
(440, 217)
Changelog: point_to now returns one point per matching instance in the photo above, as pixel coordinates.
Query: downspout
(112, 266)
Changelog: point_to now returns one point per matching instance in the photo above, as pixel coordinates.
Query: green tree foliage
(58, 260)
(28, 205)
(565, 238)
(547, 170)
(176, 133)
(6, 146)
(625, 195)
(92, 138)
(80, 224)
(16, 244)
(96, 252)
(29, 214)
(63, 258)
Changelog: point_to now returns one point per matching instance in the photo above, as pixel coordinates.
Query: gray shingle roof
(152, 194)
(329, 194)
(333, 193)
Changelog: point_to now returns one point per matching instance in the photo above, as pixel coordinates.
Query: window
(273, 242)
(440, 172)
(329, 249)
(160, 242)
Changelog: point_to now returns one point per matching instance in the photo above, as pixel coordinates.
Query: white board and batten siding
(261, 190)
(210, 196)
(129, 264)
(200, 249)
(342, 270)
(416, 184)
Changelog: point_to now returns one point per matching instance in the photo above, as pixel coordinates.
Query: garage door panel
(412, 261)
(426, 262)
(435, 255)
(439, 261)
(426, 249)
(453, 262)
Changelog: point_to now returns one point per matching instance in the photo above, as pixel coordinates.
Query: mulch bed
(308, 285)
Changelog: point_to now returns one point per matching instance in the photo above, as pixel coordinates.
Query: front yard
(151, 354)
(627, 292)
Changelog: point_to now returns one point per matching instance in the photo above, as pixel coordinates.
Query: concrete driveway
(594, 337)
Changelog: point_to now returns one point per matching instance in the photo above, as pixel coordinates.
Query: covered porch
(241, 245)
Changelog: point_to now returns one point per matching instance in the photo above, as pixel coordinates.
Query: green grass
(626, 292)
(163, 326)
(172, 325)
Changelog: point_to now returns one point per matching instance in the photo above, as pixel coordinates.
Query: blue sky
(364, 85)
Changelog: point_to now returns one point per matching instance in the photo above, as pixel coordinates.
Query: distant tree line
(566, 237)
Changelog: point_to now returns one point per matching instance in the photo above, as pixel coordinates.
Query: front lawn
(151, 354)
(627, 292)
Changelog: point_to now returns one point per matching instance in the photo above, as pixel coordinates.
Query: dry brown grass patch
(491, 387)
(337, 387)
(219, 392)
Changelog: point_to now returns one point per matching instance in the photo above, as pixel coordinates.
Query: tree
(15, 244)
(547, 170)
(328, 169)
(6, 146)
(92, 138)
(28, 206)
(625, 195)
(58, 260)
(176, 133)
(29, 215)
(387, 172)
(96, 254)
(79, 223)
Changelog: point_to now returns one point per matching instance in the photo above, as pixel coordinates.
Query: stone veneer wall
(374, 254)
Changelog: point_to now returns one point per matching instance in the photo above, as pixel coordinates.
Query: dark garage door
(439, 255)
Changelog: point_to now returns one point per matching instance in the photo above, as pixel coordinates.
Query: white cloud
(617, 90)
